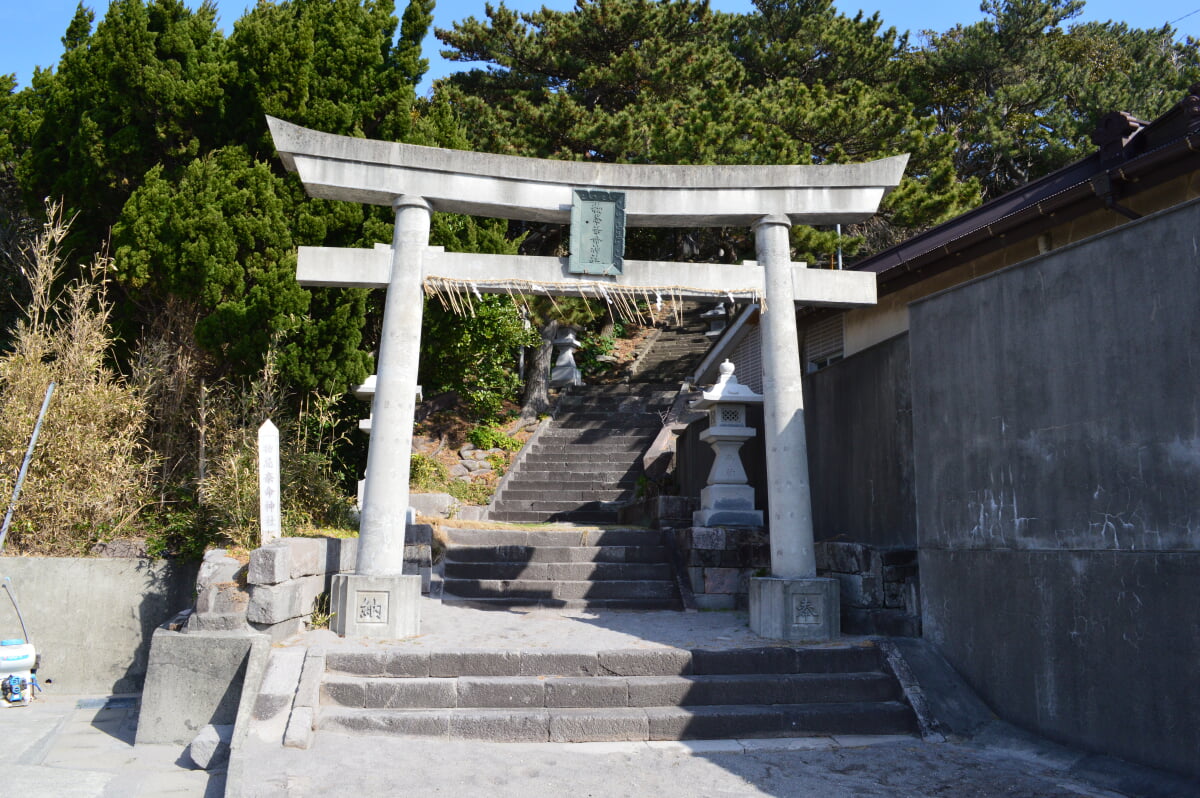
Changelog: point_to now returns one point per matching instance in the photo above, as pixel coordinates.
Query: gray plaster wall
(1056, 432)
(859, 422)
(91, 619)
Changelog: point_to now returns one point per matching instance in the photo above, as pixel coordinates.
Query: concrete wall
(92, 618)
(1056, 433)
(859, 425)
(868, 326)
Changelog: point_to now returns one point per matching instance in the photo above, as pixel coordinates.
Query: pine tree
(1021, 90)
(638, 81)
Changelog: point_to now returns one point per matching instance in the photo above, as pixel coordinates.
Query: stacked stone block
(719, 562)
(222, 595)
(880, 588)
(276, 592)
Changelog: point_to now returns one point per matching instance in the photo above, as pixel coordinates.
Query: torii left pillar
(378, 600)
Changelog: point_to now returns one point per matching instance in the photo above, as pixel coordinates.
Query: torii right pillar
(792, 603)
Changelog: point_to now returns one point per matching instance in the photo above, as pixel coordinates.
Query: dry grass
(89, 478)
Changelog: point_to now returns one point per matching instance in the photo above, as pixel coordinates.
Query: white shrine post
(270, 511)
(377, 601)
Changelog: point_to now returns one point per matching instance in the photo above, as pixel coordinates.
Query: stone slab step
(582, 460)
(584, 463)
(550, 506)
(599, 442)
(594, 692)
(559, 589)
(656, 661)
(520, 482)
(556, 554)
(579, 472)
(623, 723)
(531, 517)
(502, 602)
(616, 448)
(554, 537)
(565, 571)
(592, 495)
(629, 417)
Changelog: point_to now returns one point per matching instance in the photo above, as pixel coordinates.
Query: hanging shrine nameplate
(597, 232)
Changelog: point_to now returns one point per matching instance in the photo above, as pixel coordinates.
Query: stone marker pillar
(270, 514)
(377, 600)
(792, 603)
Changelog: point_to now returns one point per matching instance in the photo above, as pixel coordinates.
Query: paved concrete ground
(453, 628)
(66, 747)
(73, 747)
(887, 767)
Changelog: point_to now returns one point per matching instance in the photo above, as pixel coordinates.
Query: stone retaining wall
(879, 587)
(277, 592)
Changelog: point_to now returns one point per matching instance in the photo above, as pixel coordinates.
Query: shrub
(427, 475)
(489, 437)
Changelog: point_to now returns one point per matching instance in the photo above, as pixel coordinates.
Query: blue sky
(30, 30)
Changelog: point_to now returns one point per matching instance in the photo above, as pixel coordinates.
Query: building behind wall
(1022, 406)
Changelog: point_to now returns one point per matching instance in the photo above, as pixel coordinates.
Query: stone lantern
(727, 500)
(565, 372)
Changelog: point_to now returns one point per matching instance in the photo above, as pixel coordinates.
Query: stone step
(603, 465)
(599, 442)
(565, 571)
(552, 505)
(531, 517)
(616, 389)
(624, 723)
(591, 412)
(527, 483)
(603, 493)
(554, 478)
(583, 692)
(544, 465)
(554, 537)
(535, 589)
(557, 463)
(577, 440)
(556, 554)
(566, 505)
(654, 661)
(507, 603)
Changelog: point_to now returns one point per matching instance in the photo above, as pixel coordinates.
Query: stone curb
(256, 664)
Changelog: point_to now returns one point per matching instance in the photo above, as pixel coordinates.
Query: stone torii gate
(377, 600)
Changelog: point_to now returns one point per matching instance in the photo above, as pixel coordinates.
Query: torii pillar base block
(807, 610)
(386, 607)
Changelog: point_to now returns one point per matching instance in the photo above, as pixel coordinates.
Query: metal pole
(37, 428)
(16, 606)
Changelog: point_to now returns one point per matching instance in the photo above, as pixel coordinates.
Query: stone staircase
(584, 568)
(678, 349)
(586, 464)
(617, 695)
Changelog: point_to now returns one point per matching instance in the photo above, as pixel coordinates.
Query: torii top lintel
(535, 189)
